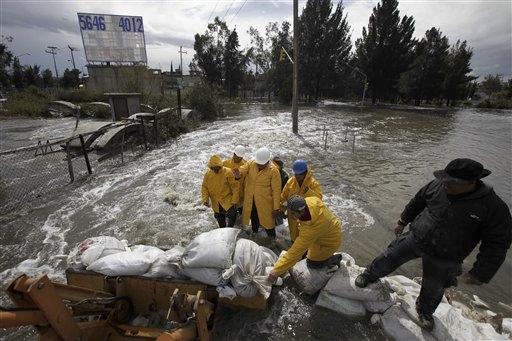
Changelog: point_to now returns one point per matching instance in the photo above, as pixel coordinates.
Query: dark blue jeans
(438, 274)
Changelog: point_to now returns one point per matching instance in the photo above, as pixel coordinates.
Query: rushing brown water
(395, 153)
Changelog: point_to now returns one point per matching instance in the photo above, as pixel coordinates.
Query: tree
(209, 51)
(491, 84)
(260, 56)
(234, 63)
(385, 49)
(280, 73)
(6, 59)
(71, 78)
(457, 78)
(47, 78)
(17, 74)
(324, 45)
(32, 77)
(424, 80)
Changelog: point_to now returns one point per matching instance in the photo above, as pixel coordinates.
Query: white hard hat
(240, 151)
(262, 156)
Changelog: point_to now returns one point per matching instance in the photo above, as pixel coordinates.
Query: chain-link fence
(30, 172)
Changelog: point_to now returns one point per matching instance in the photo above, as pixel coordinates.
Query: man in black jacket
(448, 218)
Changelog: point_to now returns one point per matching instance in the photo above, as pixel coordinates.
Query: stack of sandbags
(392, 301)
(95, 248)
(252, 264)
(209, 254)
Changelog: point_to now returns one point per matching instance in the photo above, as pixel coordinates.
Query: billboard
(112, 38)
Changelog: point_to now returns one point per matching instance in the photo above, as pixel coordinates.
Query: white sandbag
(167, 265)
(151, 251)
(311, 280)
(342, 285)
(507, 326)
(344, 306)
(397, 326)
(95, 248)
(451, 325)
(122, 264)
(213, 249)
(226, 291)
(250, 275)
(211, 276)
(380, 306)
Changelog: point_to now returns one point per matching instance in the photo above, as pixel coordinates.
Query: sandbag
(507, 326)
(211, 276)
(380, 306)
(250, 263)
(451, 325)
(122, 264)
(310, 280)
(151, 251)
(167, 265)
(344, 306)
(213, 249)
(94, 248)
(398, 326)
(342, 284)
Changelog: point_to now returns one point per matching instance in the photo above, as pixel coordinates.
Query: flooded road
(395, 153)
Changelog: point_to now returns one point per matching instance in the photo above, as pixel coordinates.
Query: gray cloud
(485, 25)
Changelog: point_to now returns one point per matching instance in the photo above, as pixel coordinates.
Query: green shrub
(81, 96)
(97, 111)
(498, 103)
(204, 100)
(32, 101)
(160, 101)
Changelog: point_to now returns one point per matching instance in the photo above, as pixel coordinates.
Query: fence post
(70, 163)
(84, 151)
(325, 141)
(354, 143)
(144, 133)
(155, 128)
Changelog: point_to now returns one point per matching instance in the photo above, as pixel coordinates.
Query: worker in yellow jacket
(302, 183)
(221, 189)
(262, 192)
(319, 235)
(235, 162)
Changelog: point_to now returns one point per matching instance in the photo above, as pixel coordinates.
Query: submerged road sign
(112, 38)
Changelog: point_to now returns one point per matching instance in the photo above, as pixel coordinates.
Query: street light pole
(71, 49)
(53, 53)
(295, 107)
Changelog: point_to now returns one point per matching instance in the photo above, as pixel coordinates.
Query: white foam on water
(350, 212)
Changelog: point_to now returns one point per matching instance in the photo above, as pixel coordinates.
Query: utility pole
(295, 98)
(71, 49)
(181, 52)
(53, 53)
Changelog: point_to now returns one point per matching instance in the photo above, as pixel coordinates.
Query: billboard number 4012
(131, 24)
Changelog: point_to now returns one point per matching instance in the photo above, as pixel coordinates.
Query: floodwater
(366, 183)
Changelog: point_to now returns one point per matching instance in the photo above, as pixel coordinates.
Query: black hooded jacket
(450, 228)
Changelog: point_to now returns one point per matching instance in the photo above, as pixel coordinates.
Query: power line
(239, 9)
(231, 4)
(214, 8)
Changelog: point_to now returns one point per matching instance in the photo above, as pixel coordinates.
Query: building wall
(128, 78)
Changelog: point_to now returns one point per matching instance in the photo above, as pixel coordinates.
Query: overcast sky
(486, 25)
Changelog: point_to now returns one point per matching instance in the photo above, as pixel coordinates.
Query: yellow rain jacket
(320, 237)
(221, 188)
(265, 188)
(310, 188)
(231, 164)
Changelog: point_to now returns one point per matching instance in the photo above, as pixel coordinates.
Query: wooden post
(354, 143)
(143, 132)
(84, 151)
(70, 163)
(179, 102)
(295, 98)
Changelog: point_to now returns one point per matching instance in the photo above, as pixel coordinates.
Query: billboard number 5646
(88, 22)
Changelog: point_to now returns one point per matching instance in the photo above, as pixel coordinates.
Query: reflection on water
(395, 154)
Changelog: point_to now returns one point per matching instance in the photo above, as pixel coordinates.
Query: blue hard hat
(299, 167)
